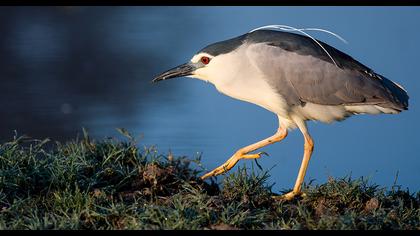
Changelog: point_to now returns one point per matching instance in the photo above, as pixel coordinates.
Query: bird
(294, 76)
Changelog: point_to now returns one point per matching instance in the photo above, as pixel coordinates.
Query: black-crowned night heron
(294, 76)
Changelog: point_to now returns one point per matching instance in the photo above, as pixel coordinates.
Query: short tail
(398, 95)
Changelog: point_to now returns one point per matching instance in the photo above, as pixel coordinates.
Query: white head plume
(290, 28)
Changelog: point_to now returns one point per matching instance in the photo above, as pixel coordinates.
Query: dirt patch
(371, 205)
(223, 226)
(164, 181)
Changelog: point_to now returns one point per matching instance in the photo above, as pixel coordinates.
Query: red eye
(205, 60)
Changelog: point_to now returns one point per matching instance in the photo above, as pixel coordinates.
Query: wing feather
(302, 76)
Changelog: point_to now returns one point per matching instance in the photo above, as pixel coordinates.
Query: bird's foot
(289, 196)
(229, 164)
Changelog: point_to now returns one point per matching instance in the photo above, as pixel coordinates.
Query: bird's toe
(219, 170)
(289, 196)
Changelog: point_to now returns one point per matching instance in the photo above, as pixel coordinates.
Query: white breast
(250, 88)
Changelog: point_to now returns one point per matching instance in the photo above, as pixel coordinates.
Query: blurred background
(64, 68)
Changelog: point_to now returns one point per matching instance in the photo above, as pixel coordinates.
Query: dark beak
(179, 71)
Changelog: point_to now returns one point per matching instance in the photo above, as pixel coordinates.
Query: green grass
(111, 184)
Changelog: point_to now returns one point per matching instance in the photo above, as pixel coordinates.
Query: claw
(206, 176)
(263, 153)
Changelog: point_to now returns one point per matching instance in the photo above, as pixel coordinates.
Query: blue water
(64, 68)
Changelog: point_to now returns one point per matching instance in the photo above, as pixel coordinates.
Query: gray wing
(302, 73)
(303, 45)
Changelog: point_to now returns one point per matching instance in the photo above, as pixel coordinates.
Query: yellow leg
(309, 147)
(243, 153)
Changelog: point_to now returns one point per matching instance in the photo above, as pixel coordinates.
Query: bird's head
(209, 64)
(200, 67)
